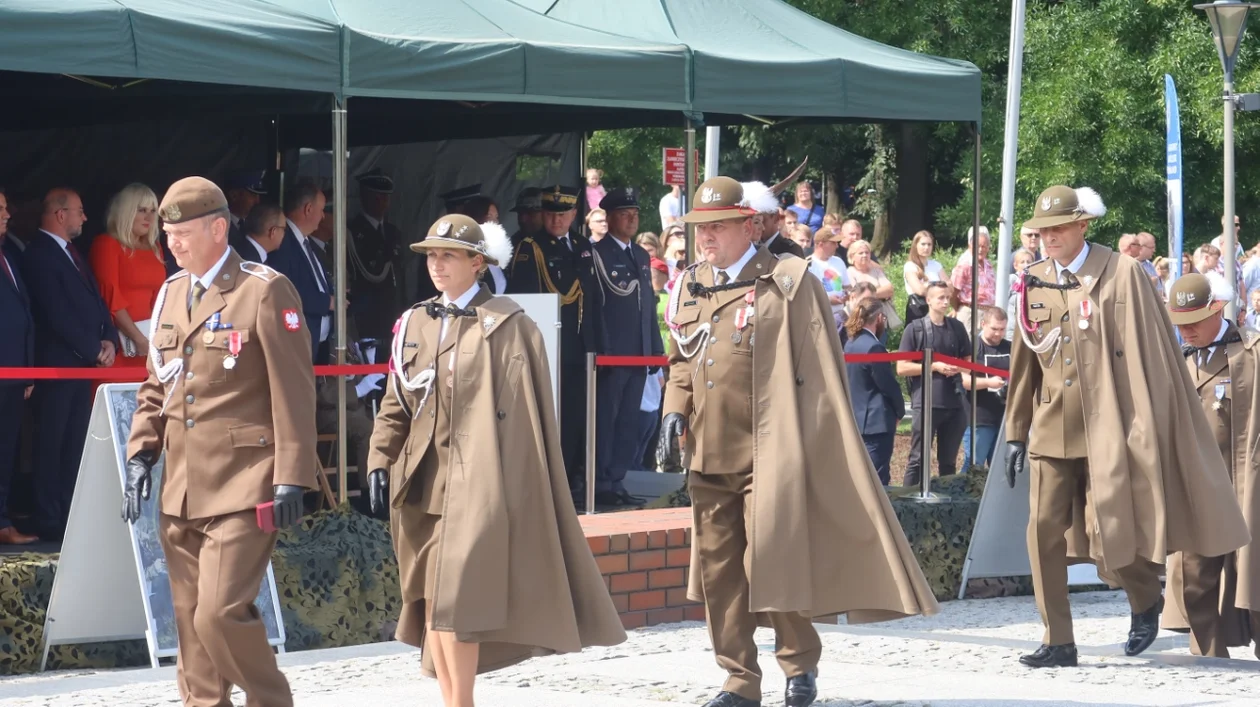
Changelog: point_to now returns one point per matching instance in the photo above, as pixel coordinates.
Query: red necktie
(78, 261)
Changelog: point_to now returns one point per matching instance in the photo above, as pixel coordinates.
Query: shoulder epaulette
(1250, 337)
(259, 270)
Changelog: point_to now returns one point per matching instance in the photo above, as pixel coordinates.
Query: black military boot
(1144, 628)
(730, 699)
(801, 690)
(1062, 656)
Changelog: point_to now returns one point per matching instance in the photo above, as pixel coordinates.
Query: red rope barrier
(136, 374)
(968, 365)
(631, 361)
(884, 357)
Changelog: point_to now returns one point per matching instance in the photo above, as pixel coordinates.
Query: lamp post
(1229, 20)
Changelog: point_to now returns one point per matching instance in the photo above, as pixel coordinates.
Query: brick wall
(644, 557)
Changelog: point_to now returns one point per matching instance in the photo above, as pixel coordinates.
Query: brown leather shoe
(11, 536)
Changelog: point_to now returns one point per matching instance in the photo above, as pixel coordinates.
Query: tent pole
(712, 150)
(975, 293)
(1010, 149)
(339, 278)
(584, 151)
(689, 187)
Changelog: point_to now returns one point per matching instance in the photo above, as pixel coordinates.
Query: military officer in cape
(230, 399)
(466, 456)
(1123, 471)
(790, 521)
(628, 306)
(1218, 598)
(560, 262)
(374, 254)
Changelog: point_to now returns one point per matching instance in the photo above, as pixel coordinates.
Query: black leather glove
(1016, 452)
(668, 456)
(378, 489)
(138, 486)
(288, 505)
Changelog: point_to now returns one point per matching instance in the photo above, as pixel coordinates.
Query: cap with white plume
(759, 198)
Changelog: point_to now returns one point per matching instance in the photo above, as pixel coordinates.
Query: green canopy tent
(462, 68)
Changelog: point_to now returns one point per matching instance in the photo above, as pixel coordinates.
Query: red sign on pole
(674, 165)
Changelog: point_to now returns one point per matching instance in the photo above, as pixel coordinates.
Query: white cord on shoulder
(166, 373)
(424, 379)
(250, 268)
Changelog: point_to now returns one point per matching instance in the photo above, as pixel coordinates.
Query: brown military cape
(822, 536)
(1244, 575)
(1158, 484)
(515, 573)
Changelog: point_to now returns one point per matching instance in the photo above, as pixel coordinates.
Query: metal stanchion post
(925, 478)
(590, 433)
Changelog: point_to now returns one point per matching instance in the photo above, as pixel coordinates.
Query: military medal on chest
(234, 350)
(742, 316)
(1087, 310)
(1221, 389)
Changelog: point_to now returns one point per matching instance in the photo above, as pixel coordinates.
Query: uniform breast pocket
(165, 341)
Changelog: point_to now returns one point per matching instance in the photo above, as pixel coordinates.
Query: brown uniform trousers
(1215, 623)
(230, 434)
(721, 484)
(1060, 472)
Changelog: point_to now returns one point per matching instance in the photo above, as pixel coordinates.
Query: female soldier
(467, 431)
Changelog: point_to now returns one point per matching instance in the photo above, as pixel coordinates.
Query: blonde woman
(597, 224)
(920, 269)
(129, 267)
(650, 243)
(1163, 269)
(864, 270)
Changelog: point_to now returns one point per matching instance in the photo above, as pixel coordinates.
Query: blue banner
(1174, 176)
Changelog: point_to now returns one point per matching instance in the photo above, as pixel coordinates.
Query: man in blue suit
(628, 306)
(878, 404)
(73, 329)
(297, 258)
(17, 349)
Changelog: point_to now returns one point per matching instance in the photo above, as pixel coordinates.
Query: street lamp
(1229, 20)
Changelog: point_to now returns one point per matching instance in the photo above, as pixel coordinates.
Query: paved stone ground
(965, 657)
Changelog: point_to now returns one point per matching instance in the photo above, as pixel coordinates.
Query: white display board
(111, 582)
(545, 311)
(999, 545)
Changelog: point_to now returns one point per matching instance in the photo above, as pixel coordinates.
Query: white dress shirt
(65, 246)
(732, 273)
(372, 222)
(1077, 263)
(325, 322)
(1212, 349)
(207, 279)
(262, 252)
(461, 302)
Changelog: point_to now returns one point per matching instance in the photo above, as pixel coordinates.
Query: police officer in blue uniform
(629, 329)
(557, 261)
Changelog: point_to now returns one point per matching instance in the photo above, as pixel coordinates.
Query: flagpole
(1010, 149)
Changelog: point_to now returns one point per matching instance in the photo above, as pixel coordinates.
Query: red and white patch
(291, 320)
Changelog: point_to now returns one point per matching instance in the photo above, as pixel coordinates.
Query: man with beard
(1123, 472)
(1218, 598)
(559, 262)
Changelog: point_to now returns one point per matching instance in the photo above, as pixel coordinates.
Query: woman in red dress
(128, 264)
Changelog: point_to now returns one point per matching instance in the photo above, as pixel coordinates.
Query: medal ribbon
(234, 343)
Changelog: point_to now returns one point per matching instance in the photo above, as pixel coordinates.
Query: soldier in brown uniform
(466, 453)
(1218, 598)
(1101, 405)
(230, 398)
(790, 521)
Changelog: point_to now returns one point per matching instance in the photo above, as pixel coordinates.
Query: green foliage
(632, 158)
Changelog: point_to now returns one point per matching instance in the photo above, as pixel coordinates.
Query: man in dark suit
(559, 262)
(17, 349)
(243, 190)
(264, 229)
(73, 329)
(374, 257)
(629, 328)
(878, 404)
(298, 260)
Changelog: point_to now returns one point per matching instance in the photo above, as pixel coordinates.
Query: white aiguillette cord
(167, 373)
(423, 379)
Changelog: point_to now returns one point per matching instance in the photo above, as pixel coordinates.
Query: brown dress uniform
(230, 432)
(468, 435)
(1218, 598)
(790, 521)
(1116, 479)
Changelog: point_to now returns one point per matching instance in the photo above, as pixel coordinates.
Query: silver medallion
(229, 362)
(736, 337)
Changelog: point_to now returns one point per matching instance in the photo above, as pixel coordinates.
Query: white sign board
(545, 311)
(111, 582)
(999, 545)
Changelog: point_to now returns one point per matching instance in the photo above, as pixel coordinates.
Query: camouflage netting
(338, 580)
(335, 573)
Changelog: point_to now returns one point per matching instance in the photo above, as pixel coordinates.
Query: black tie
(319, 269)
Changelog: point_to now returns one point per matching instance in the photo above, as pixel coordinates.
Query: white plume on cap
(1221, 291)
(1088, 201)
(498, 245)
(759, 198)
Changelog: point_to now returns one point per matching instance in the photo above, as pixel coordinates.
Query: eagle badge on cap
(444, 228)
(707, 196)
(173, 213)
(1045, 204)
(1181, 299)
